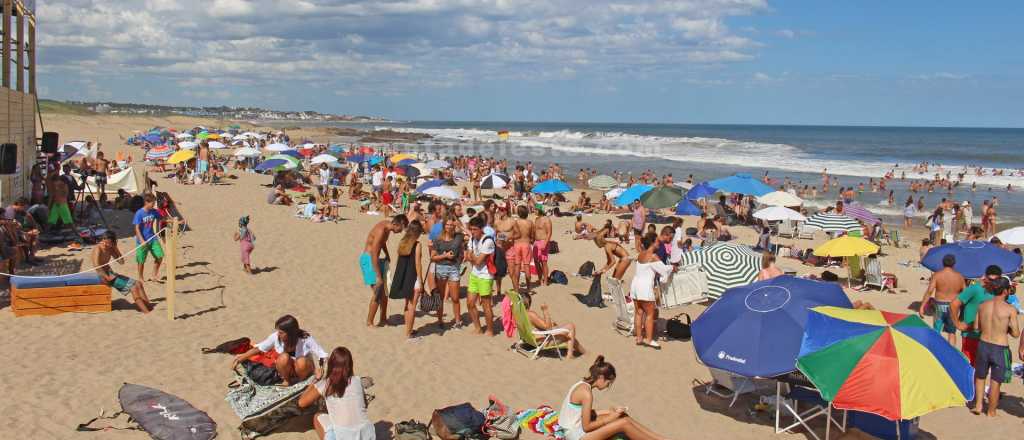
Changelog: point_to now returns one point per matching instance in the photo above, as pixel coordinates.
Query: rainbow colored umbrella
(159, 152)
(890, 364)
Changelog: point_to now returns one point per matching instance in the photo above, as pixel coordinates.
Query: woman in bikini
(581, 422)
(617, 256)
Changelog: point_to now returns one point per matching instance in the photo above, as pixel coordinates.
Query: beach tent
(780, 198)
(1012, 236)
(124, 179)
(727, 265)
(830, 222)
(741, 183)
(779, 213)
(686, 207)
(755, 330)
(553, 186)
(972, 257)
(631, 194)
(889, 364)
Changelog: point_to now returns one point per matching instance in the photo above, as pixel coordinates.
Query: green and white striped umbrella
(727, 265)
(602, 182)
(830, 222)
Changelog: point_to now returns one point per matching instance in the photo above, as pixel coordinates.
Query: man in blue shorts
(375, 269)
(996, 320)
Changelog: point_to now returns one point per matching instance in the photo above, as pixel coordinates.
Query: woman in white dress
(580, 421)
(648, 266)
(344, 398)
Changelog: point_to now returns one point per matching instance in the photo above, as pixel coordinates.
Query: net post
(171, 265)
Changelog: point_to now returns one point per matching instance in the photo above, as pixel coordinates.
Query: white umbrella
(308, 146)
(187, 145)
(780, 198)
(247, 152)
(323, 158)
(435, 164)
(278, 147)
(1012, 236)
(444, 192)
(684, 185)
(214, 145)
(77, 144)
(183, 135)
(615, 193)
(775, 213)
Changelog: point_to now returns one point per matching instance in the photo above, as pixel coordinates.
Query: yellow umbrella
(402, 156)
(213, 136)
(181, 156)
(846, 246)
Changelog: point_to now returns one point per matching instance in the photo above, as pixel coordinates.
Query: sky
(813, 62)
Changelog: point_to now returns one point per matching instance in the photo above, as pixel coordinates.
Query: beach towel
(264, 408)
(542, 420)
(507, 321)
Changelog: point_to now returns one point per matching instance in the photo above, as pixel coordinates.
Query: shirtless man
(584, 230)
(101, 167)
(101, 255)
(374, 269)
(541, 236)
(945, 285)
(520, 254)
(203, 163)
(996, 319)
(58, 191)
(503, 224)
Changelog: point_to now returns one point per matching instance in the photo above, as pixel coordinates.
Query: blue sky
(940, 63)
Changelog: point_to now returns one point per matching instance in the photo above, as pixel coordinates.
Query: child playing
(245, 238)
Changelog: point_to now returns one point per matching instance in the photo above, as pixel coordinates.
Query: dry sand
(63, 369)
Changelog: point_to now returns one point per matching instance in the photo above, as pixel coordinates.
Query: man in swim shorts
(945, 284)
(542, 235)
(521, 252)
(996, 319)
(145, 222)
(58, 191)
(963, 310)
(102, 255)
(375, 269)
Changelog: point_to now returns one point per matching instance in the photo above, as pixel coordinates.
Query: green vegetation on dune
(58, 107)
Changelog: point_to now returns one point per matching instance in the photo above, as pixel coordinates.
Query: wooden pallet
(55, 300)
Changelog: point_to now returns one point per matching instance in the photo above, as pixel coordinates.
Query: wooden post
(171, 265)
(20, 57)
(8, 5)
(32, 57)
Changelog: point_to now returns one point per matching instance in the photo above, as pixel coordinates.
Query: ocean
(853, 154)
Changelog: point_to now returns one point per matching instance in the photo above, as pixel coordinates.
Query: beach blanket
(124, 179)
(264, 408)
(542, 420)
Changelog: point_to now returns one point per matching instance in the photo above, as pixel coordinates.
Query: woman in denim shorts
(446, 254)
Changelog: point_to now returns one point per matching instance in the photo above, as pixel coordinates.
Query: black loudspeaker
(8, 158)
(50, 142)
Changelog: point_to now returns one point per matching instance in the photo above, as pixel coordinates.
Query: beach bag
(498, 423)
(458, 422)
(161, 415)
(261, 374)
(677, 329)
(558, 277)
(429, 301)
(234, 346)
(553, 247)
(411, 430)
(264, 408)
(587, 269)
(691, 232)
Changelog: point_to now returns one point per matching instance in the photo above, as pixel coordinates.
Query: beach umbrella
(430, 184)
(358, 158)
(779, 213)
(686, 186)
(405, 162)
(183, 136)
(830, 222)
(374, 160)
(602, 182)
(859, 212)
(890, 364)
(159, 152)
(247, 152)
(68, 152)
(438, 164)
(741, 183)
(726, 264)
(1012, 236)
(444, 192)
(187, 145)
(306, 152)
(408, 171)
(286, 157)
(701, 191)
(214, 145)
(203, 135)
(278, 147)
(336, 149)
(494, 181)
(755, 330)
(323, 158)
(290, 153)
(77, 144)
(780, 198)
(213, 136)
(273, 164)
(553, 186)
(402, 156)
(846, 246)
(308, 146)
(686, 207)
(631, 194)
(181, 156)
(366, 150)
(152, 138)
(972, 257)
(614, 193)
(226, 136)
(662, 197)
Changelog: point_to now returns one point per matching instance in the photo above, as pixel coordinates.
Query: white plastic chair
(735, 384)
(623, 310)
(805, 232)
(786, 229)
(688, 285)
(817, 407)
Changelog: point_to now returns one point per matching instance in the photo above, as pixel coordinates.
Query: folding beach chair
(623, 310)
(734, 384)
(875, 277)
(786, 229)
(528, 344)
(805, 232)
(688, 285)
(856, 273)
(813, 407)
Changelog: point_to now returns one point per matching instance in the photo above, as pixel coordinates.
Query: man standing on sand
(946, 284)
(145, 222)
(100, 169)
(203, 162)
(374, 269)
(58, 192)
(968, 302)
(996, 319)
(520, 255)
(101, 255)
(481, 281)
(541, 235)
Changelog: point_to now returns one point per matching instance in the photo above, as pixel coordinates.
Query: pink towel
(506, 317)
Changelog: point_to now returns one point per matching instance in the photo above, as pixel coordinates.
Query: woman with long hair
(446, 254)
(648, 267)
(298, 354)
(407, 283)
(581, 422)
(935, 226)
(616, 255)
(344, 398)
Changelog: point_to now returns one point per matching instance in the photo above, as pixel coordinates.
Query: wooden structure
(171, 263)
(18, 109)
(83, 293)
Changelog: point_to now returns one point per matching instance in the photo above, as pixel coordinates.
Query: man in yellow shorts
(481, 280)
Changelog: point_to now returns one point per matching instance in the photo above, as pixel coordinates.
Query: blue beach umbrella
(152, 138)
(336, 149)
(292, 153)
(358, 158)
(632, 194)
(374, 160)
(430, 184)
(271, 164)
(972, 257)
(553, 186)
(406, 162)
(700, 191)
(741, 183)
(756, 330)
(686, 207)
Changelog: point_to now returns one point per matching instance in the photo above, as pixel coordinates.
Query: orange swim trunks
(519, 253)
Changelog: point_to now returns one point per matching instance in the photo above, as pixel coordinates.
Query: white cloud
(786, 33)
(941, 76)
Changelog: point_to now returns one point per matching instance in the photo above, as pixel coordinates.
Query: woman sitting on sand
(344, 398)
(298, 354)
(543, 322)
(617, 256)
(709, 230)
(581, 422)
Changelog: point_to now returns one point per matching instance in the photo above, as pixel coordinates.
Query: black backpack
(586, 270)
(558, 277)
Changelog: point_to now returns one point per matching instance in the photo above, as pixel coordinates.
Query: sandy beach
(63, 369)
